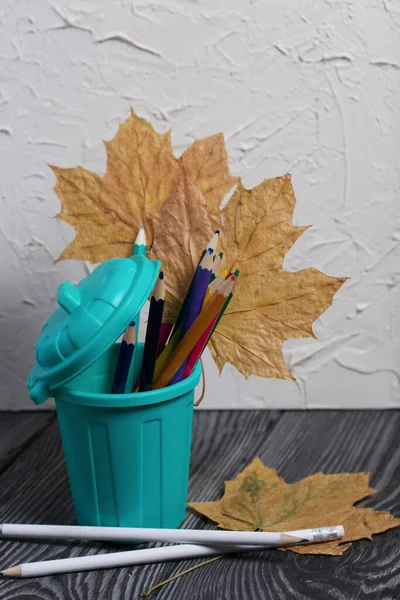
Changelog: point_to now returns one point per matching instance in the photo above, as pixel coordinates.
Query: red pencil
(164, 335)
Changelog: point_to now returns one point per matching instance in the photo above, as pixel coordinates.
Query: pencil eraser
(340, 531)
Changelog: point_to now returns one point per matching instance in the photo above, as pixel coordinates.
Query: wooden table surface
(34, 489)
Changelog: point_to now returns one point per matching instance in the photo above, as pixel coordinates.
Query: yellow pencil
(189, 341)
(166, 353)
(214, 285)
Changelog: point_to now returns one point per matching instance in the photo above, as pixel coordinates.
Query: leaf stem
(156, 587)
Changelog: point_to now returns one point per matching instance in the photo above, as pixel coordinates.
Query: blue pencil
(200, 284)
(124, 360)
(210, 247)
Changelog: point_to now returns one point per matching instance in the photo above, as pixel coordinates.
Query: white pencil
(151, 555)
(118, 559)
(191, 536)
(139, 246)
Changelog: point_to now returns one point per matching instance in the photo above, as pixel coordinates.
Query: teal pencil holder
(127, 455)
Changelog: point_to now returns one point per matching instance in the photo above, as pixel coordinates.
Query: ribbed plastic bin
(127, 455)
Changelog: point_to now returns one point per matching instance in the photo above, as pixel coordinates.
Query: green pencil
(225, 306)
(216, 266)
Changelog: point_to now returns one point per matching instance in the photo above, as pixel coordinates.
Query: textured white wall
(305, 86)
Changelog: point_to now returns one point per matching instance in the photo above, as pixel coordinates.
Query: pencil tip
(12, 572)
(217, 231)
(207, 260)
(132, 324)
(141, 237)
(161, 275)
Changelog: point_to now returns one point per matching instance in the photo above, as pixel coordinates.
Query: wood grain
(34, 488)
(17, 430)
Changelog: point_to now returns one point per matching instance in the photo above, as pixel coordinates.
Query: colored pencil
(125, 355)
(221, 313)
(199, 348)
(175, 337)
(189, 341)
(205, 338)
(139, 247)
(152, 335)
(172, 536)
(200, 284)
(214, 284)
(166, 329)
(211, 247)
(179, 323)
(216, 265)
(167, 351)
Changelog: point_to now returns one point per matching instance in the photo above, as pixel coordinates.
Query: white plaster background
(305, 86)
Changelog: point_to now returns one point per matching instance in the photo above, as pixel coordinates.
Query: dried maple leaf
(258, 499)
(142, 173)
(185, 212)
(270, 305)
(178, 201)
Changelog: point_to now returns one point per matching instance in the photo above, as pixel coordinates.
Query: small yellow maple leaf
(259, 500)
(178, 201)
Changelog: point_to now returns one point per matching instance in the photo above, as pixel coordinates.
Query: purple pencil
(200, 284)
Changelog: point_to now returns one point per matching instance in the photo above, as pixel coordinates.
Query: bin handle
(203, 391)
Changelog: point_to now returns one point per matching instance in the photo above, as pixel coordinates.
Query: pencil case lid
(90, 317)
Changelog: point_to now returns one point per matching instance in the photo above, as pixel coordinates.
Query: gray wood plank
(17, 430)
(302, 443)
(34, 489)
